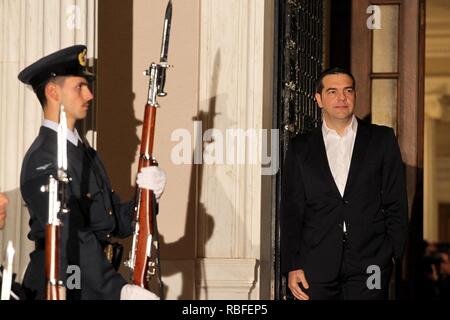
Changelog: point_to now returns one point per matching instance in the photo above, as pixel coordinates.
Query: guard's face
(76, 96)
(337, 99)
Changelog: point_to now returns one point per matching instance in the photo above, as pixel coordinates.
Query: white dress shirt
(339, 153)
(72, 136)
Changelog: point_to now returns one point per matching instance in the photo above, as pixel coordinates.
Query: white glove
(152, 178)
(134, 292)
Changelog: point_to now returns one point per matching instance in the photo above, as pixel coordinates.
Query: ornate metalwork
(301, 28)
(300, 61)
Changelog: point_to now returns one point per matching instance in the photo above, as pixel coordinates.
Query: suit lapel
(321, 160)
(359, 150)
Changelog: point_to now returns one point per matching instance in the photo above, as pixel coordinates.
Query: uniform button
(88, 195)
(108, 236)
(110, 212)
(112, 191)
(346, 202)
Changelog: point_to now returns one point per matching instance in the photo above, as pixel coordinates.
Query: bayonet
(143, 259)
(157, 71)
(166, 32)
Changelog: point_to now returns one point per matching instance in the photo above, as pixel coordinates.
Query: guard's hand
(134, 292)
(3, 204)
(152, 178)
(294, 278)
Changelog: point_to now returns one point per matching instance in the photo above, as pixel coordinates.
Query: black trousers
(353, 282)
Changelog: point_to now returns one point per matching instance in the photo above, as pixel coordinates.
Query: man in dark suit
(96, 212)
(344, 206)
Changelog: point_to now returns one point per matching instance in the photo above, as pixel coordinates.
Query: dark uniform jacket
(96, 215)
(374, 205)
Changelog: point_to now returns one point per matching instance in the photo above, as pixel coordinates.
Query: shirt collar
(352, 127)
(72, 136)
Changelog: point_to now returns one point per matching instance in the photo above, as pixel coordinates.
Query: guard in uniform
(96, 212)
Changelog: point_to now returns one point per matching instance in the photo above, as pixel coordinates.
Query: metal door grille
(299, 63)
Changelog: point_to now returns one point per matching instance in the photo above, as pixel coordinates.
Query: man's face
(3, 204)
(337, 99)
(75, 94)
(445, 264)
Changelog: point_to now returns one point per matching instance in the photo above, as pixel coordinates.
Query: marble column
(236, 59)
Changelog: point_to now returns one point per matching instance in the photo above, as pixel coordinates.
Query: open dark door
(383, 43)
(299, 63)
(387, 50)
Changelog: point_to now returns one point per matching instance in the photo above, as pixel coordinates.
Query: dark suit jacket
(374, 205)
(96, 214)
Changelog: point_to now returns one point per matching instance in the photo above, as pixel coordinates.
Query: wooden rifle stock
(145, 257)
(55, 291)
(57, 204)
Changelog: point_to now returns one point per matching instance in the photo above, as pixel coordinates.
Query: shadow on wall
(205, 221)
(115, 119)
(118, 143)
(116, 126)
(220, 184)
(218, 181)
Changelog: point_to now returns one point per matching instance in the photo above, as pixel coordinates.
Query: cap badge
(82, 58)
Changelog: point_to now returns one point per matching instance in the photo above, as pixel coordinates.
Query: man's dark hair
(40, 90)
(327, 72)
(40, 93)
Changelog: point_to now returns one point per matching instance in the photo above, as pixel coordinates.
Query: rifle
(7, 272)
(143, 260)
(57, 204)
